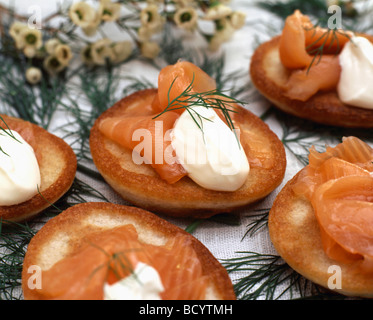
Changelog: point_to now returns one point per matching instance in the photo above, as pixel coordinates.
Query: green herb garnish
(318, 51)
(271, 278)
(8, 132)
(214, 99)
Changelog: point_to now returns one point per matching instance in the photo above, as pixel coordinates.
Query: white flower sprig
(58, 56)
(26, 39)
(186, 18)
(105, 50)
(141, 20)
(33, 75)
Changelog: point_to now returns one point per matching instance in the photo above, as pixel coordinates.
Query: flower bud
(33, 75)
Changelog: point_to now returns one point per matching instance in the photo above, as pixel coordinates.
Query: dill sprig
(213, 99)
(6, 130)
(118, 262)
(266, 274)
(270, 278)
(260, 221)
(316, 8)
(300, 144)
(96, 90)
(36, 104)
(317, 50)
(299, 135)
(13, 245)
(174, 49)
(136, 84)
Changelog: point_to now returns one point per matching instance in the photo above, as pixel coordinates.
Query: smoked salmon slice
(300, 37)
(156, 148)
(188, 284)
(323, 75)
(339, 185)
(293, 53)
(344, 208)
(110, 255)
(311, 54)
(351, 149)
(173, 80)
(330, 169)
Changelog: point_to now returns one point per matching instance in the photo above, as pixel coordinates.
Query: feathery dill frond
(14, 238)
(316, 8)
(259, 221)
(270, 278)
(213, 99)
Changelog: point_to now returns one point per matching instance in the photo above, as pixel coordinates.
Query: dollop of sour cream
(143, 284)
(355, 86)
(19, 169)
(211, 152)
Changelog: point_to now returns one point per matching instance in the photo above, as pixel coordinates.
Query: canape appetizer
(318, 74)
(96, 251)
(37, 168)
(321, 223)
(186, 149)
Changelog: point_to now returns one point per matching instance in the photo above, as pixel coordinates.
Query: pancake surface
(63, 235)
(57, 163)
(141, 185)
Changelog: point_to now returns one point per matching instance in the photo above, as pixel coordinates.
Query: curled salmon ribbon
(310, 72)
(339, 185)
(110, 255)
(173, 80)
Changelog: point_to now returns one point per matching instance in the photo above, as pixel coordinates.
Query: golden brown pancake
(295, 234)
(142, 186)
(60, 235)
(270, 76)
(57, 163)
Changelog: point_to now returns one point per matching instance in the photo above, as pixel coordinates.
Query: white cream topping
(143, 284)
(19, 170)
(355, 86)
(212, 154)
